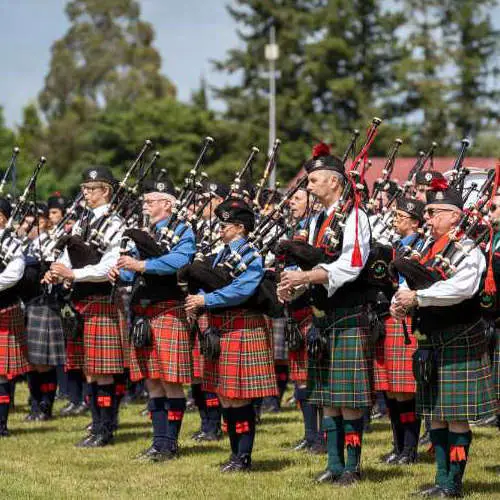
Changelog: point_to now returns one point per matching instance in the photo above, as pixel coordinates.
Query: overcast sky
(188, 34)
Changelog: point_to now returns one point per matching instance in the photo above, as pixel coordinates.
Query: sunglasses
(431, 212)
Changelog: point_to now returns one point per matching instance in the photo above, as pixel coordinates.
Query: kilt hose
(245, 368)
(345, 380)
(280, 349)
(168, 358)
(197, 355)
(45, 334)
(298, 360)
(463, 387)
(102, 336)
(393, 359)
(13, 344)
(496, 364)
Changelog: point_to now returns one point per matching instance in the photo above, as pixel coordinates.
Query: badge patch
(410, 206)
(439, 195)
(225, 215)
(93, 174)
(160, 186)
(428, 176)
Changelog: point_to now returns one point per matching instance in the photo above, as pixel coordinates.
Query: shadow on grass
(134, 425)
(199, 449)
(493, 468)
(482, 487)
(291, 419)
(377, 475)
(270, 465)
(17, 431)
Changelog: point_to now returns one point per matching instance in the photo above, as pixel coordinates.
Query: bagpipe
(424, 157)
(328, 247)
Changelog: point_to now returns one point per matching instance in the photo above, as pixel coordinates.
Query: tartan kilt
(123, 305)
(298, 360)
(75, 354)
(102, 336)
(168, 358)
(197, 355)
(345, 380)
(44, 330)
(245, 368)
(393, 359)
(13, 346)
(463, 388)
(280, 349)
(496, 364)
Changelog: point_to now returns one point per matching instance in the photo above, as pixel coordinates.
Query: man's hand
(49, 278)
(397, 312)
(406, 298)
(130, 264)
(60, 271)
(113, 274)
(193, 303)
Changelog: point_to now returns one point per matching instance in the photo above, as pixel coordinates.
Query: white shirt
(461, 286)
(99, 272)
(341, 271)
(14, 270)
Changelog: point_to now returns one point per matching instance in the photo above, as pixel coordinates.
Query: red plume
(57, 193)
(321, 149)
(439, 185)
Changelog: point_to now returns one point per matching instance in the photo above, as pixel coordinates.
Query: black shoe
(408, 457)
(327, 476)
(81, 409)
(197, 434)
(153, 454)
(455, 492)
(208, 436)
(390, 458)
(101, 440)
(31, 417)
(349, 478)
(430, 492)
(88, 427)
(86, 441)
(69, 410)
(238, 464)
(227, 462)
(43, 417)
(425, 439)
(316, 448)
(303, 444)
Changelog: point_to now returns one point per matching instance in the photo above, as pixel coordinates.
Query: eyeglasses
(431, 212)
(398, 215)
(90, 189)
(150, 202)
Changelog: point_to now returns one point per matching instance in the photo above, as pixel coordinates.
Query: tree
(106, 54)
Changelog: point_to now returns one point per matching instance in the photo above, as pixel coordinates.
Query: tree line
(429, 68)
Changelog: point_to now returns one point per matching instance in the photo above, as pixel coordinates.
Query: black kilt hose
(103, 350)
(245, 368)
(169, 357)
(13, 346)
(46, 344)
(463, 385)
(345, 380)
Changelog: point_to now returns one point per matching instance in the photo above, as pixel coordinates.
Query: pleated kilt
(280, 349)
(168, 358)
(393, 359)
(496, 364)
(44, 330)
(463, 388)
(123, 305)
(197, 355)
(245, 368)
(13, 343)
(102, 337)
(346, 378)
(298, 360)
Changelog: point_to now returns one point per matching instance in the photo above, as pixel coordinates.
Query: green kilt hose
(345, 380)
(245, 368)
(13, 347)
(169, 357)
(463, 387)
(496, 364)
(102, 336)
(393, 359)
(45, 334)
(298, 359)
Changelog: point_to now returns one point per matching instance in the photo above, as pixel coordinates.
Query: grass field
(39, 461)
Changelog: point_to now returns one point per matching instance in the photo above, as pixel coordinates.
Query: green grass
(39, 461)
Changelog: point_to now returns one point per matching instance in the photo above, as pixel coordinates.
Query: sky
(186, 30)
(189, 33)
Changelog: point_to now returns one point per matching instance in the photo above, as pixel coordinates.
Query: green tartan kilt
(345, 380)
(496, 364)
(463, 386)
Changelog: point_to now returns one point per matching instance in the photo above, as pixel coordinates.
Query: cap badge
(410, 206)
(160, 186)
(225, 215)
(428, 176)
(439, 195)
(93, 174)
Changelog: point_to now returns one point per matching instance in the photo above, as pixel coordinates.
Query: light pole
(272, 54)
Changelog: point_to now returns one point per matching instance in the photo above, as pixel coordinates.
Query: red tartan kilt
(13, 343)
(197, 356)
(169, 357)
(298, 360)
(75, 354)
(393, 359)
(245, 368)
(102, 336)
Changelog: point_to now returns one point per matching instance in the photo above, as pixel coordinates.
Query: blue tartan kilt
(345, 379)
(462, 389)
(46, 344)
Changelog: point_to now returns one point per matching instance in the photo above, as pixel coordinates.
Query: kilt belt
(462, 389)
(13, 344)
(169, 356)
(245, 368)
(103, 350)
(345, 380)
(393, 359)
(298, 360)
